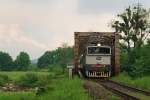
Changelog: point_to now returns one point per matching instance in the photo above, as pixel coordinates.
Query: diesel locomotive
(97, 54)
(96, 61)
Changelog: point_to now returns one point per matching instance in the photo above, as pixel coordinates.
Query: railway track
(124, 91)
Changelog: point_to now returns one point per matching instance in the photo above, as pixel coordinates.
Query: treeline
(134, 27)
(60, 56)
(21, 63)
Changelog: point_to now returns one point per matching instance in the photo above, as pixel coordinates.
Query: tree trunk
(128, 51)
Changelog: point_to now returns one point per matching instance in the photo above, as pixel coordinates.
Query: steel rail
(123, 95)
(147, 93)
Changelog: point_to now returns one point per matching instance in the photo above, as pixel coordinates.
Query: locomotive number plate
(98, 58)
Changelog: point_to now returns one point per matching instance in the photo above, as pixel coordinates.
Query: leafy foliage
(123, 61)
(45, 60)
(61, 55)
(22, 61)
(5, 62)
(3, 80)
(133, 26)
(139, 64)
(28, 80)
(55, 68)
(57, 90)
(33, 80)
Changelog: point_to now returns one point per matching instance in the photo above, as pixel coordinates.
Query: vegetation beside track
(58, 88)
(142, 82)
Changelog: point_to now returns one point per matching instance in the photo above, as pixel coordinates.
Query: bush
(33, 80)
(43, 80)
(56, 68)
(33, 67)
(141, 67)
(28, 80)
(123, 61)
(3, 79)
(139, 64)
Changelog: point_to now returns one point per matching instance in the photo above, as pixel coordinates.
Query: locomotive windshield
(99, 50)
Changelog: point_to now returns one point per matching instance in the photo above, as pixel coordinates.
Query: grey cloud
(30, 1)
(52, 22)
(105, 6)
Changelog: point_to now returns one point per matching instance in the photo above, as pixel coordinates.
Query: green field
(14, 75)
(58, 88)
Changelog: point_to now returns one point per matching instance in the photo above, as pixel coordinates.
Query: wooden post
(70, 73)
(70, 70)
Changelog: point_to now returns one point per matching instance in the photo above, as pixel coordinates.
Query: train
(96, 54)
(96, 61)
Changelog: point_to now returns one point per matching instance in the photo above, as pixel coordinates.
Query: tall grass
(65, 89)
(59, 88)
(143, 82)
(17, 96)
(17, 74)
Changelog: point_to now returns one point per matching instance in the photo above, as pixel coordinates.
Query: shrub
(43, 80)
(28, 80)
(139, 64)
(123, 61)
(56, 68)
(3, 79)
(33, 67)
(33, 80)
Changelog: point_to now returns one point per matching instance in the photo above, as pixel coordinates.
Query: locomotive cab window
(98, 50)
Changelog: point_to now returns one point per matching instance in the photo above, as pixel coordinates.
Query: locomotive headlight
(98, 44)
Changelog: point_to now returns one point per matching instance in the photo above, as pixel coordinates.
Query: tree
(45, 60)
(5, 62)
(141, 64)
(140, 25)
(22, 61)
(133, 26)
(61, 56)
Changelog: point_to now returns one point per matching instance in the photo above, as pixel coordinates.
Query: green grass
(16, 74)
(143, 82)
(17, 96)
(59, 88)
(114, 97)
(65, 89)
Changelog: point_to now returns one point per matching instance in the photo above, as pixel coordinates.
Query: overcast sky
(35, 26)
